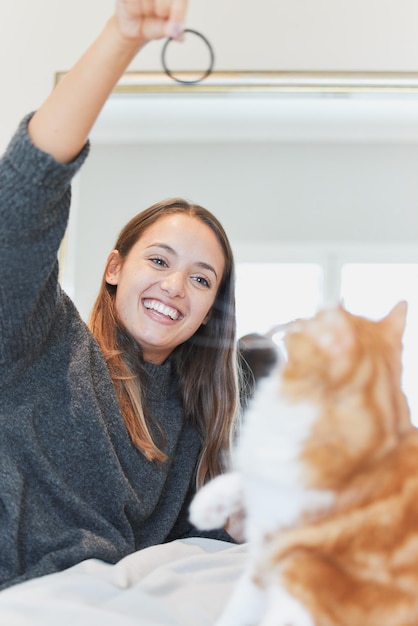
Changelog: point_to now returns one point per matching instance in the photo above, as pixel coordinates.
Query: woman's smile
(162, 309)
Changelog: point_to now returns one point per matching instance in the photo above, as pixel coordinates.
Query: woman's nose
(174, 284)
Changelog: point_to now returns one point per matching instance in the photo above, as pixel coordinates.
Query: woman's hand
(150, 19)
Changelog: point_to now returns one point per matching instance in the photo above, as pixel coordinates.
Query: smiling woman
(168, 289)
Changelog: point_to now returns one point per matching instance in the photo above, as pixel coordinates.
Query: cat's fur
(327, 471)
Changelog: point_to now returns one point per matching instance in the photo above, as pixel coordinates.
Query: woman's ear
(113, 266)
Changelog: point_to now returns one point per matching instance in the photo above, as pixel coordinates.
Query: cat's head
(350, 368)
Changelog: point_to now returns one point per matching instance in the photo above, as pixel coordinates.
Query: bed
(182, 583)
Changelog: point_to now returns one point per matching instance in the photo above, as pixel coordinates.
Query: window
(274, 293)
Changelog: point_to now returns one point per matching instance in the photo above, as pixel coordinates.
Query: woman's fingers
(178, 10)
(177, 17)
(157, 28)
(152, 19)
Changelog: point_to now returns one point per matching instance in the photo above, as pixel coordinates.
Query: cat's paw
(216, 502)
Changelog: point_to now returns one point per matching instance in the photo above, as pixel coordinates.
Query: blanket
(182, 583)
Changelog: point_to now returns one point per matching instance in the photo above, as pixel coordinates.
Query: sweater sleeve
(35, 196)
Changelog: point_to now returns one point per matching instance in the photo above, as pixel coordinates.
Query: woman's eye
(158, 261)
(202, 281)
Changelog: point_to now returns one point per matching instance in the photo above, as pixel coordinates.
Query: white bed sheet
(182, 583)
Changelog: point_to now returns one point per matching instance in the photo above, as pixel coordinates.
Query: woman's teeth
(155, 305)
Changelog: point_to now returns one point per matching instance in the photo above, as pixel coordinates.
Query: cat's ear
(396, 319)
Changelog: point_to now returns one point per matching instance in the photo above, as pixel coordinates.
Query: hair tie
(194, 80)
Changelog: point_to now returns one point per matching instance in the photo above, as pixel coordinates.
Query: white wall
(40, 37)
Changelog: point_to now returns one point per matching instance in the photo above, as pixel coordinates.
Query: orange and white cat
(326, 469)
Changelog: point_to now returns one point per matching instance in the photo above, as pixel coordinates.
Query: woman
(104, 434)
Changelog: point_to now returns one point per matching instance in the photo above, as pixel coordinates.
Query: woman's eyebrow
(164, 246)
(206, 266)
(171, 250)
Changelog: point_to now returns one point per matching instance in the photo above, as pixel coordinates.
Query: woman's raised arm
(62, 124)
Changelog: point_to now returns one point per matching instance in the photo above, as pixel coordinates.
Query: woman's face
(167, 284)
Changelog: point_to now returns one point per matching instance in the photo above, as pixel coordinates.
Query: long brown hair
(205, 364)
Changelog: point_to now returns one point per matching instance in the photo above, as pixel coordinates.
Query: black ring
(196, 80)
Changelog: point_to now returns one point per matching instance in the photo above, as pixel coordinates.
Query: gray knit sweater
(72, 485)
